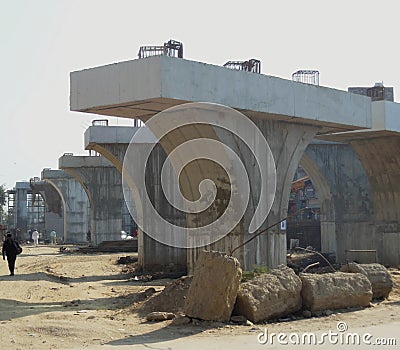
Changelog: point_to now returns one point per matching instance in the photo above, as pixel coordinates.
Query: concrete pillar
(75, 205)
(102, 183)
(287, 143)
(345, 196)
(54, 212)
(21, 218)
(112, 142)
(380, 157)
(378, 151)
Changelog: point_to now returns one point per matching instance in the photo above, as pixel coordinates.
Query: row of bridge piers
(347, 144)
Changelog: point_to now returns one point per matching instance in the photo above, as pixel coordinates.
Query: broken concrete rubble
(276, 294)
(335, 290)
(180, 320)
(271, 295)
(172, 298)
(160, 316)
(377, 274)
(214, 287)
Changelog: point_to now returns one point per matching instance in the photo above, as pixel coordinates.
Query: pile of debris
(314, 262)
(171, 299)
(215, 293)
(128, 246)
(125, 260)
(68, 250)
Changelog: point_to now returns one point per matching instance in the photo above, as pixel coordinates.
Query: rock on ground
(335, 290)
(239, 320)
(160, 316)
(378, 275)
(270, 295)
(214, 287)
(171, 299)
(180, 320)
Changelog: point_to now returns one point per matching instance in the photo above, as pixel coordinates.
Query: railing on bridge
(306, 76)
(171, 48)
(251, 65)
(100, 122)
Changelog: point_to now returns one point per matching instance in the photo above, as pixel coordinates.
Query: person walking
(89, 236)
(11, 249)
(53, 237)
(35, 237)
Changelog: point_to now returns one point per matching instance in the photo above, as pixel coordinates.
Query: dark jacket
(9, 248)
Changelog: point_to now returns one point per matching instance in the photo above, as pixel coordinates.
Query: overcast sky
(351, 43)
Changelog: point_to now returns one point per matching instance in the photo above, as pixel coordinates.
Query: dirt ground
(76, 301)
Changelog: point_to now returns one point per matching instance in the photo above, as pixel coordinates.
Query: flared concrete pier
(289, 115)
(102, 184)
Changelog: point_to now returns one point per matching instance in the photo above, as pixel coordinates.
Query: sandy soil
(75, 301)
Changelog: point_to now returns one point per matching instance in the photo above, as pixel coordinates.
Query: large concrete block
(275, 294)
(335, 290)
(214, 288)
(377, 274)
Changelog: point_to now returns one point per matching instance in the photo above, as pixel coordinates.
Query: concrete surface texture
(102, 183)
(344, 192)
(381, 160)
(377, 150)
(384, 119)
(223, 273)
(270, 295)
(339, 290)
(75, 205)
(377, 274)
(385, 116)
(112, 143)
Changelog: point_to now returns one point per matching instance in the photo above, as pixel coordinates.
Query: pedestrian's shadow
(164, 334)
(11, 309)
(36, 276)
(52, 277)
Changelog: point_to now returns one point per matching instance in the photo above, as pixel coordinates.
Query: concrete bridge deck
(143, 87)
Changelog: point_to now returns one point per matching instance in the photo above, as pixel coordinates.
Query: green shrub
(257, 270)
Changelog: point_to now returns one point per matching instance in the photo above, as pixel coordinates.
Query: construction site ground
(76, 301)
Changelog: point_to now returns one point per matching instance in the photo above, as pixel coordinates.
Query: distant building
(377, 93)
